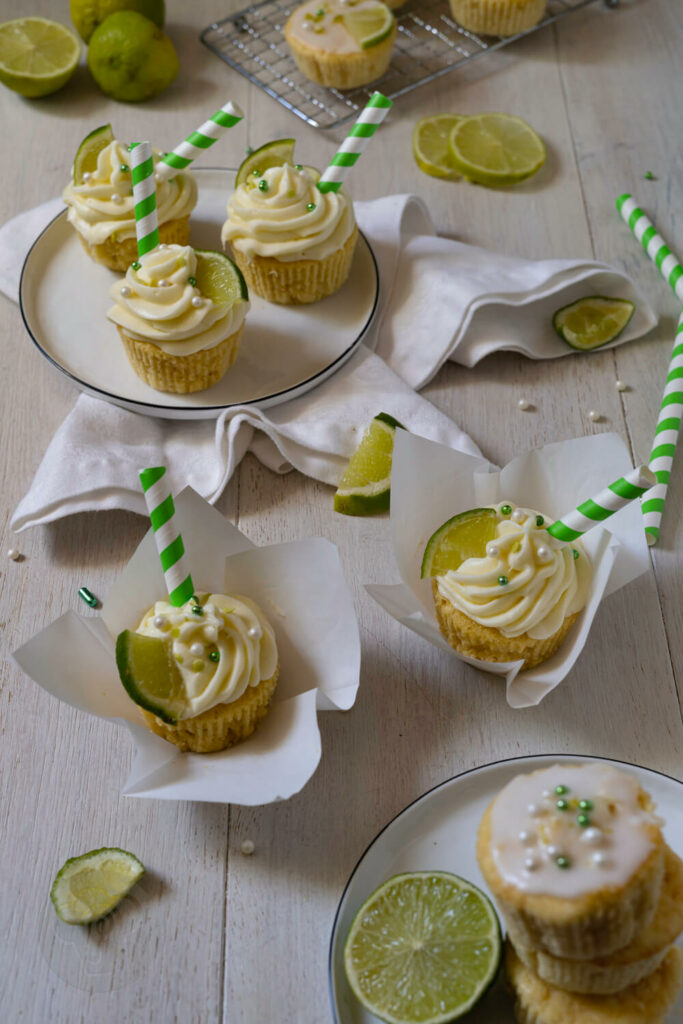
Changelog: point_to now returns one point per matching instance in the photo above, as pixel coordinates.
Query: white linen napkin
(439, 299)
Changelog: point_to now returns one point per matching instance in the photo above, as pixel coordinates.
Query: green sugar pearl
(586, 805)
(563, 862)
(263, 185)
(256, 173)
(583, 820)
(561, 790)
(505, 510)
(649, 176)
(300, 167)
(503, 581)
(136, 265)
(539, 520)
(249, 150)
(214, 656)
(197, 609)
(192, 281)
(124, 168)
(575, 553)
(310, 207)
(562, 805)
(87, 596)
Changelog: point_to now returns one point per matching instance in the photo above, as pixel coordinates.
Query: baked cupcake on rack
(498, 17)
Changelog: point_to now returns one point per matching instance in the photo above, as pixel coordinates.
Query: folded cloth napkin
(439, 299)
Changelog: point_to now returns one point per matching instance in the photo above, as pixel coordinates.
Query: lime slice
(423, 948)
(496, 149)
(150, 674)
(89, 150)
(593, 321)
(87, 888)
(218, 278)
(365, 486)
(369, 25)
(37, 56)
(464, 536)
(272, 154)
(431, 145)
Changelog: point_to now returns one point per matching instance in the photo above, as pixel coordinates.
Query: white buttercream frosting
(546, 582)
(103, 205)
(157, 302)
(289, 219)
(231, 625)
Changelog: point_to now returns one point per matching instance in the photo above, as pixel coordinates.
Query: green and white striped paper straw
(666, 437)
(167, 535)
(594, 511)
(144, 197)
(653, 243)
(203, 138)
(353, 145)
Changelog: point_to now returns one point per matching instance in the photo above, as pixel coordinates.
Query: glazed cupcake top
(571, 829)
(103, 205)
(528, 582)
(321, 25)
(280, 213)
(220, 650)
(158, 301)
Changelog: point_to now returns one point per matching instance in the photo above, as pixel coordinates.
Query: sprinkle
(523, 404)
(214, 656)
(594, 415)
(257, 173)
(562, 861)
(197, 609)
(583, 820)
(593, 836)
(526, 837)
(163, 245)
(194, 599)
(247, 847)
(197, 666)
(160, 622)
(125, 291)
(299, 167)
(600, 859)
(575, 553)
(586, 805)
(124, 168)
(86, 177)
(310, 207)
(621, 385)
(530, 863)
(249, 150)
(505, 510)
(164, 283)
(543, 553)
(540, 520)
(255, 632)
(197, 301)
(14, 554)
(192, 281)
(535, 810)
(492, 550)
(561, 790)
(649, 176)
(562, 805)
(519, 515)
(197, 650)
(503, 581)
(116, 198)
(135, 265)
(263, 185)
(551, 850)
(88, 597)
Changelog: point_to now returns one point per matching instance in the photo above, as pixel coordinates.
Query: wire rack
(429, 44)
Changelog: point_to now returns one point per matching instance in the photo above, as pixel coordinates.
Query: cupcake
(498, 17)
(180, 314)
(293, 243)
(574, 857)
(224, 664)
(342, 44)
(101, 207)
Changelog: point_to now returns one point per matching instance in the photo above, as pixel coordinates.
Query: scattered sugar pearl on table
(594, 416)
(621, 385)
(247, 847)
(14, 554)
(523, 404)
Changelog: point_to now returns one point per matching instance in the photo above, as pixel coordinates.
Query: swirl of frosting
(103, 205)
(219, 653)
(528, 582)
(157, 302)
(288, 219)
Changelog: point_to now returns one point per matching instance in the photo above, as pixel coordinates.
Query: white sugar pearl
(492, 550)
(594, 415)
(600, 859)
(543, 553)
(547, 793)
(620, 385)
(527, 838)
(523, 404)
(535, 810)
(519, 515)
(125, 291)
(116, 198)
(197, 650)
(254, 632)
(531, 863)
(14, 554)
(157, 177)
(593, 836)
(247, 847)
(308, 25)
(160, 622)
(86, 177)
(197, 302)
(552, 851)
(162, 245)
(164, 283)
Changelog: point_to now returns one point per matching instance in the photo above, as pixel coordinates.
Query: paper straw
(203, 138)
(594, 511)
(666, 437)
(653, 243)
(353, 145)
(144, 197)
(167, 535)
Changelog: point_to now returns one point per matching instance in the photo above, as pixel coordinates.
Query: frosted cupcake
(342, 44)
(101, 207)
(224, 660)
(180, 314)
(498, 17)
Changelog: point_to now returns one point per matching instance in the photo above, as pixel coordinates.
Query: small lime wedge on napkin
(592, 322)
(364, 489)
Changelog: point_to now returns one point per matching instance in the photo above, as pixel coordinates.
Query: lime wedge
(150, 674)
(272, 154)
(593, 321)
(423, 948)
(369, 25)
(365, 486)
(431, 145)
(87, 888)
(218, 278)
(89, 150)
(37, 56)
(496, 149)
(464, 536)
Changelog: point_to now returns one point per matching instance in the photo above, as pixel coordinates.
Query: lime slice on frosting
(431, 145)
(496, 149)
(364, 489)
(464, 536)
(272, 154)
(423, 948)
(218, 278)
(593, 321)
(369, 25)
(89, 150)
(37, 56)
(150, 674)
(87, 888)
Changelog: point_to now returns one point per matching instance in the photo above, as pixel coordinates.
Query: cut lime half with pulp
(89, 150)
(369, 25)
(272, 154)
(87, 888)
(364, 489)
(464, 536)
(431, 145)
(218, 278)
(37, 56)
(423, 948)
(496, 149)
(592, 322)
(150, 674)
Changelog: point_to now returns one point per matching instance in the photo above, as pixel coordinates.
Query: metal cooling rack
(429, 44)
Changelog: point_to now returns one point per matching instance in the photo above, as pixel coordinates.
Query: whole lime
(130, 58)
(88, 14)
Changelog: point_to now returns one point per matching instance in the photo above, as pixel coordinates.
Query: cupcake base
(498, 17)
(118, 254)
(341, 70)
(180, 375)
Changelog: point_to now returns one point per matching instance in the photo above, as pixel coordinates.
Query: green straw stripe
(653, 505)
(663, 451)
(363, 131)
(142, 171)
(145, 206)
(678, 351)
(661, 255)
(626, 490)
(199, 140)
(224, 119)
(148, 477)
(562, 532)
(675, 398)
(592, 511)
(377, 100)
(675, 274)
(179, 162)
(675, 374)
(648, 234)
(148, 243)
(329, 186)
(653, 531)
(182, 593)
(170, 555)
(162, 513)
(663, 476)
(672, 423)
(622, 199)
(635, 217)
(344, 159)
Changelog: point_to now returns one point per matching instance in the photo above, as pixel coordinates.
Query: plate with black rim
(438, 832)
(285, 350)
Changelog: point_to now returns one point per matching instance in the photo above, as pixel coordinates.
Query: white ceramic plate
(438, 831)
(285, 350)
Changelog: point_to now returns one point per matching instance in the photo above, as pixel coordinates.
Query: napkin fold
(439, 299)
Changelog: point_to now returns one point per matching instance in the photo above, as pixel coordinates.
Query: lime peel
(87, 888)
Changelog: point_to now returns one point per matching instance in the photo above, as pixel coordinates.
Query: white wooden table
(211, 935)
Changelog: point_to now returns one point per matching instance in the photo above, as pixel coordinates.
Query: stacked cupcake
(591, 895)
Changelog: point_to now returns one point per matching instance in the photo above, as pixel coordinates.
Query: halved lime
(364, 488)
(37, 56)
(218, 278)
(461, 537)
(150, 674)
(85, 161)
(272, 154)
(369, 25)
(87, 888)
(496, 149)
(593, 321)
(423, 948)
(431, 145)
